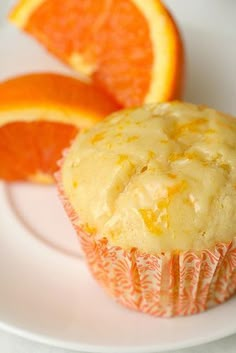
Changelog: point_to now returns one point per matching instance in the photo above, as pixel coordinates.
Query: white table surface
(12, 344)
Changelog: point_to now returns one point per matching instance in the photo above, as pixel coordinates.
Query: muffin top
(157, 178)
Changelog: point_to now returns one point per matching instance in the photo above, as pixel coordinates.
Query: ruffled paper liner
(165, 285)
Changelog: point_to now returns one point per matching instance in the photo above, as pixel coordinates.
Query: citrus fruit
(132, 48)
(39, 115)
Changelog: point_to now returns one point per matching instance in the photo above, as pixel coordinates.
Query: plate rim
(88, 348)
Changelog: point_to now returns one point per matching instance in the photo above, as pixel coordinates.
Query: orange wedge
(39, 115)
(132, 48)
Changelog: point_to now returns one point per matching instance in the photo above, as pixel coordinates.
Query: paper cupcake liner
(165, 285)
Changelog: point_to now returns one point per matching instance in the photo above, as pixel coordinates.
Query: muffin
(151, 192)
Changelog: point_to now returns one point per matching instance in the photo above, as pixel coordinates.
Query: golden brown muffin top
(157, 178)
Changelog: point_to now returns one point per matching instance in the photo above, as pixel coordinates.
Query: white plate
(46, 292)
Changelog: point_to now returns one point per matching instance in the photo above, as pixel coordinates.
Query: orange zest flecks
(122, 158)
(157, 220)
(194, 127)
(96, 138)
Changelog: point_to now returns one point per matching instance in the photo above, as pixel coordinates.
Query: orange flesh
(70, 28)
(113, 35)
(127, 57)
(31, 148)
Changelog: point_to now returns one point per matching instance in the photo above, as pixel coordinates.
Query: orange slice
(132, 48)
(39, 115)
